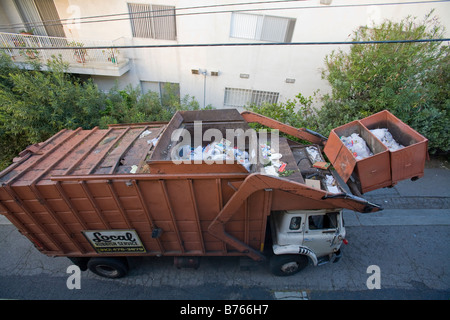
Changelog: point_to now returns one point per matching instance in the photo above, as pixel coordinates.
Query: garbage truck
(204, 184)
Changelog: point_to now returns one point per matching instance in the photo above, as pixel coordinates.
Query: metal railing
(23, 47)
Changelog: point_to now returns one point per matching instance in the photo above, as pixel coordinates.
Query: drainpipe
(204, 87)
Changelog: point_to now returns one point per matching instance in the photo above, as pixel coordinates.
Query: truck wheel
(287, 265)
(108, 267)
(81, 262)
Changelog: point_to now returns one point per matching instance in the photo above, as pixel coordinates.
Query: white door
(321, 231)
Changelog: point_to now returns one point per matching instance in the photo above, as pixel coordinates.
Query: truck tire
(112, 268)
(81, 262)
(288, 264)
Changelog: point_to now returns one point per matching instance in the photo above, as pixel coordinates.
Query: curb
(398, 217)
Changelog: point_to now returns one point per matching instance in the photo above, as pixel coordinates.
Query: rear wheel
(287, 265)
(109, 267)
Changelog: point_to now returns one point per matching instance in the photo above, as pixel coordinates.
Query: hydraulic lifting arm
(307, 196)
(301, 133)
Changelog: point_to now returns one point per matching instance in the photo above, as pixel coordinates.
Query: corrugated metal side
(53, 213)
(79, 152)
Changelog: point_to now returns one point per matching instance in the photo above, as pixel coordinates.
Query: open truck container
(385, 167)
(99, 196)
(407, 162)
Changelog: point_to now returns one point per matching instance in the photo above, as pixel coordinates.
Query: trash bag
(386, 138)
(357, 146)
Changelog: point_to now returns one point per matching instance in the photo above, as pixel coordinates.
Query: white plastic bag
(357, 146)
(184, 152)
(386, 138)
(331, 184)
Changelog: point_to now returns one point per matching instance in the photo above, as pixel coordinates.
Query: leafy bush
(36, 104)
(409, 79)
(298, 112)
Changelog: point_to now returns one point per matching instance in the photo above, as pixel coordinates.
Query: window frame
(324, 216)
(256, 28)
(256, 97)
(144, 23)
(297, 229)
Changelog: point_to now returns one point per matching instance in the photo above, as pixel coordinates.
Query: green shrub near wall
(411, 80)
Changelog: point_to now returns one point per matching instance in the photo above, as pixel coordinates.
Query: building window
(261, 27)
(40, 17)
(243, 97)
(168, 92)
(152, 21)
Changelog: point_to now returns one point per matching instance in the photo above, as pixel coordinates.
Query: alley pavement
(408, 240)
(422, 202)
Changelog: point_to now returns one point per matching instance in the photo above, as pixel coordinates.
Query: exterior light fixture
(244, 75)
(288, 80)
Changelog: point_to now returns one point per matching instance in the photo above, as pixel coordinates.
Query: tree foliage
(409, 79)
(297, 112)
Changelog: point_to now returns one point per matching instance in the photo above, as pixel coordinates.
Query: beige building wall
(266, 67)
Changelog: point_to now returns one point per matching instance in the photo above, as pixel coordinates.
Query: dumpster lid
(343, 162)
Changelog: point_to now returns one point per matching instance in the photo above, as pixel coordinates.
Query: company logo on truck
(115, 241)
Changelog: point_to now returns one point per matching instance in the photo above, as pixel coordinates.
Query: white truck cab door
(288, 228)
(321, 231)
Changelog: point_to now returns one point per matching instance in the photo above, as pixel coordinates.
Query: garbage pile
(217, 151)
(316, 158)
(387, 139)
(314, 154)
(331, 184)
(357, 146)
(273, 165)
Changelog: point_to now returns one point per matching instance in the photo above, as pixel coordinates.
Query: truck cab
(303, 236)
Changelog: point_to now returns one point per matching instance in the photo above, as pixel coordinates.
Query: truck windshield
(327, 221)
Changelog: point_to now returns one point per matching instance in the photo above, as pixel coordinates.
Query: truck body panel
(69, 193)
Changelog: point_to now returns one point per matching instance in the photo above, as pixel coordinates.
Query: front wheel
(112, 268)
(287, 265)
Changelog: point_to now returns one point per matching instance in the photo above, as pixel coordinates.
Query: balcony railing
(23, 48)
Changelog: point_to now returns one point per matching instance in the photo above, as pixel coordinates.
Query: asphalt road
(413, 262)
(408, 242)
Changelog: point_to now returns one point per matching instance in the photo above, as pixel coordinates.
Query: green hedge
(411, 80)
(34, 105)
